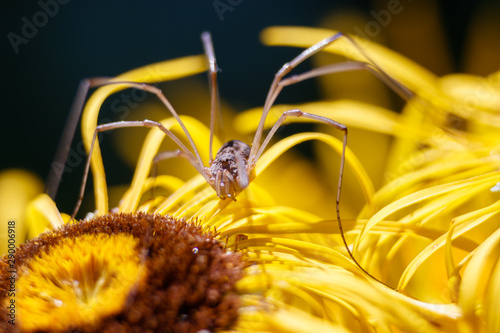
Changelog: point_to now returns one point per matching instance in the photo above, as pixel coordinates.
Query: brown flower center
(166, 275)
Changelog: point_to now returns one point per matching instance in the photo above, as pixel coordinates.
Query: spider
(232, 168)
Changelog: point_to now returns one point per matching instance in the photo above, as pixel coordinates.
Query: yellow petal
(295, 321)
(489, 178)
(473, 219)
(434, 171)
(42, 215)
(476, 282)
(17, 188)
(492, 302)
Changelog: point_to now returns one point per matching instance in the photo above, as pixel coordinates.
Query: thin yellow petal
(492, 302)
(295, 321)
(180, 195)
(43, 215)
(17, 188)
(476, 282)
(489, 178)
(433, 171)
(474, 219)
(301, 249)
(167, 182)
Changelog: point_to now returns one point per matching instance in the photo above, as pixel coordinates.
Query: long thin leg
(334, 124)
(397, 87)
(57, 166)
(164, 155)
(276, 87)
(162, 98)
(123, 124)
(177, 153)
(337, 68)
(214, 91)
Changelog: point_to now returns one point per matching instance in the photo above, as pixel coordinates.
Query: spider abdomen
(226, 156)
(229, 168)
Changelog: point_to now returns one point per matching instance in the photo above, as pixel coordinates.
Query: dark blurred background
(40, 72)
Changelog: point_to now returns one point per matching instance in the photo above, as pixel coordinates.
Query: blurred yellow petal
(166, 182)
(492, 302)
(17, 188)
(307, 191)
(473, 98)
(181, 195)
(357, 85)
(463, 86)
(43, 215)
(295, 321)
(476, 282)
(479, 217)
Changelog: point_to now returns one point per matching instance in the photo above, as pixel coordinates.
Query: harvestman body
(231, 171)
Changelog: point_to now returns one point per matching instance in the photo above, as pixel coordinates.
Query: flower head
(262, 264)
(121, 272)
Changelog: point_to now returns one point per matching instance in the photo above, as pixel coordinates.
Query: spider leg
(184, 152)
(179, 153)
(228, 178)
(394, 85)
(334, 124)
(218, 179)
(214, 91)
(152, 89)
(338, 68)
(299, 113)
(62, 151)
(55, 173)
(164, 155)
(243, 177)
(277, 84)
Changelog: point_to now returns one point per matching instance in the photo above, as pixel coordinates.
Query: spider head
(229, 173)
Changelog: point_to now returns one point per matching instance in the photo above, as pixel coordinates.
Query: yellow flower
(261, 264)
(429, 229)
(121, 272)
